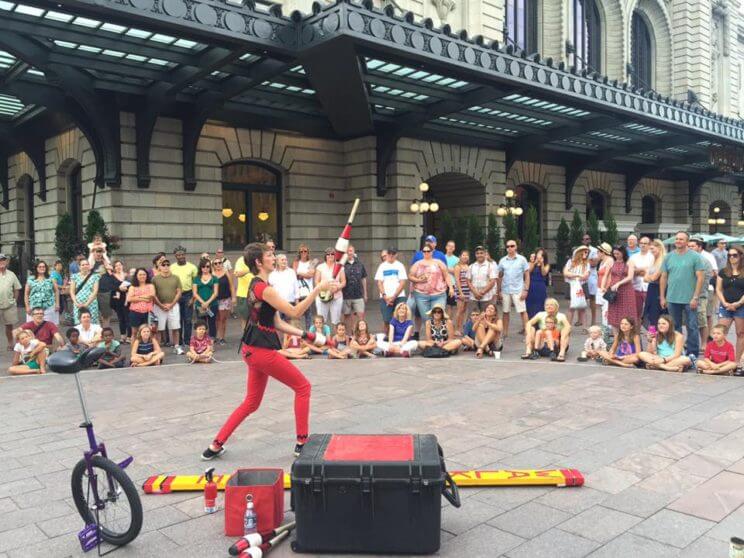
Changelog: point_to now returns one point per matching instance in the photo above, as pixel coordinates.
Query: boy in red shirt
(719, 354)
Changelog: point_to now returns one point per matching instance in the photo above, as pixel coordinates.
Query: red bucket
(267, 488)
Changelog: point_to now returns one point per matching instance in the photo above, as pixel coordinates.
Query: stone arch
(655, 188)
(718, 192)
(612, 15)
(659, 22)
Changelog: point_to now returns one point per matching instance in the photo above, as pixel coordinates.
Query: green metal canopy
(346, 70)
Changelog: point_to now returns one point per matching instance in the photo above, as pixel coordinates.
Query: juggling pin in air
(342, 244)
(262, 550)
(257, 539)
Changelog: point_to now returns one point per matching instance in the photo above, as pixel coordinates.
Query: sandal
(560, 358)
(479, 353)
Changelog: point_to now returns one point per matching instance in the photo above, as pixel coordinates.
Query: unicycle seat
(67, 362)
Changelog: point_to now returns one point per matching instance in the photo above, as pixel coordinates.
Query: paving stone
(705, 546)
(472, 512)
(732, 526)
(573, 501)
(638, 501)
(630, 545)
(16, 538)
(483, 540)
(529, 520)
(555, 542)
(7, 505)
(599, 524)
(672, 528)
(610, 479)
(714, 499)
(643, 464)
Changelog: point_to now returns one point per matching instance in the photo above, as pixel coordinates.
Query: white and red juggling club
(263, 549)
(257, 539)
(342, 244)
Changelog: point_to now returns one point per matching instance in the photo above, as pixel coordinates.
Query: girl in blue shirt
(399, 342)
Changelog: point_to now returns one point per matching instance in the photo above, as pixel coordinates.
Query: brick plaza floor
(663, 454)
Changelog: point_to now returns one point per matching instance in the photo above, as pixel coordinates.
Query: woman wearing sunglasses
(730, 293)
(304, 267)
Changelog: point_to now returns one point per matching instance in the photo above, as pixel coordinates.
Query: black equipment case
(370, 493)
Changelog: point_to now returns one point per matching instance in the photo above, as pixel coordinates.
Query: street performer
(260, 346)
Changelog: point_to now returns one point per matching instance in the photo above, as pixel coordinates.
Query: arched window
(641, 56)
(75, 199)
(520, 24)
(596, 201)
(585, 35)
(251, 205)
(649, 210)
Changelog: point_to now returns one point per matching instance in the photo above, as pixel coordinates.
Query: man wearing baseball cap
(431, 242)
(9, 289)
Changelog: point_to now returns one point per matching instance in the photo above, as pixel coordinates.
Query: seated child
(145, 348)
(319, 326)
(340, 347)
(593, 345)
(201, 346)
(626, 347)
(112, 358)
(363, 343)
(548, 340)
(29, 356)
(73, 342)
(293, 347)
(468, 331)
(719, 357)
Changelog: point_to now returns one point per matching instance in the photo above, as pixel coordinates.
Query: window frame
(247, 189)
(586, 39)
(641, 54)
(526, 11)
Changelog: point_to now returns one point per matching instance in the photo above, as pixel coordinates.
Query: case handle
(450, 491)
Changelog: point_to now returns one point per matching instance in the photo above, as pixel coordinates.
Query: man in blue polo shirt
(431, 242)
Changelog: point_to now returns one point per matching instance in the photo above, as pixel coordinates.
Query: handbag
(578, 298)
(435, 352)
(304, 291)
(610, 296)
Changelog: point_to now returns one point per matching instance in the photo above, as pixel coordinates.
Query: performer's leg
(257, 380)
(287, 373)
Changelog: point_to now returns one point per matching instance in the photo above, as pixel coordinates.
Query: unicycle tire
(118, 535)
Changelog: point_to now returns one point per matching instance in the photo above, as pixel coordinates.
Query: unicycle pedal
(89, 537)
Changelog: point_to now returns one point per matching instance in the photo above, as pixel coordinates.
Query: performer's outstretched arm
(271, 296)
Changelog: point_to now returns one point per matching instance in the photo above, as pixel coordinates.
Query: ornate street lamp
(715, 220)
(426, 204)
(511, 206)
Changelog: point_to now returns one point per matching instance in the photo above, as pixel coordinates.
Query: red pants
(263, 363)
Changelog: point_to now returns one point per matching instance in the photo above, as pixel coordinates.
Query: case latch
(415, 485)
(366, 485)
(317, 483)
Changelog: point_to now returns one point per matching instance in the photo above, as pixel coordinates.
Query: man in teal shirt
(682, 277)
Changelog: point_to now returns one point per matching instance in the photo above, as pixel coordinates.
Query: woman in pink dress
(619, 279)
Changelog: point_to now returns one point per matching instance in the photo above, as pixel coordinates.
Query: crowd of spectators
(637, 305)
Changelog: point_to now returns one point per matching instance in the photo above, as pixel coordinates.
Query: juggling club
(256, 539)
(342, 243)
(260, 551)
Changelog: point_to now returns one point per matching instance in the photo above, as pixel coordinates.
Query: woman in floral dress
(42, 292)
(619, 279)
(83, 292)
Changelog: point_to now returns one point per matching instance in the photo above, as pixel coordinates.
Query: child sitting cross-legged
(340, 347)
(73, 342)
(319, 326)
(29, 356)
(719, 354)
(468, 331)
(665, 349)
(593, 345)
(293, 347)
(201, 346)
(145, 348)
(112, 358)
(548, 340)
(362, 343)
(626, 346)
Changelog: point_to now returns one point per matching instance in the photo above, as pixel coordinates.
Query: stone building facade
(697, 52)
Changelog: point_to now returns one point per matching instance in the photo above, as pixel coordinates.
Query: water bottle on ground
(249, 520)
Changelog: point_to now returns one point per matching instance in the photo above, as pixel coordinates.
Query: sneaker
(497, 355)
(222, 341)
(739, 371)
(209, 454)
(298, 450)
(178, 350)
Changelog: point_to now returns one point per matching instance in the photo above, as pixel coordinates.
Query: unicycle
(104, 495)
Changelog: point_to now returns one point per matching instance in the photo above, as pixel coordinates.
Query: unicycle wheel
(120, 509)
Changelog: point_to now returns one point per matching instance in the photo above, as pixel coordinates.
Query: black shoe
(298, 450)
(535, 355)
(210, 454)
(739, 371)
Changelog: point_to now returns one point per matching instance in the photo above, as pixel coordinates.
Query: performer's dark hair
(254, 251)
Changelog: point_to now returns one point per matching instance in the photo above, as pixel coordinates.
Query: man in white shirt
(284, 279)
(391, 277)
(220, 255)
(482, 275)
(641, 261)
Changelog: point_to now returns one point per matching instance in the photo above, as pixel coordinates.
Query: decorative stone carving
(444, 8)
